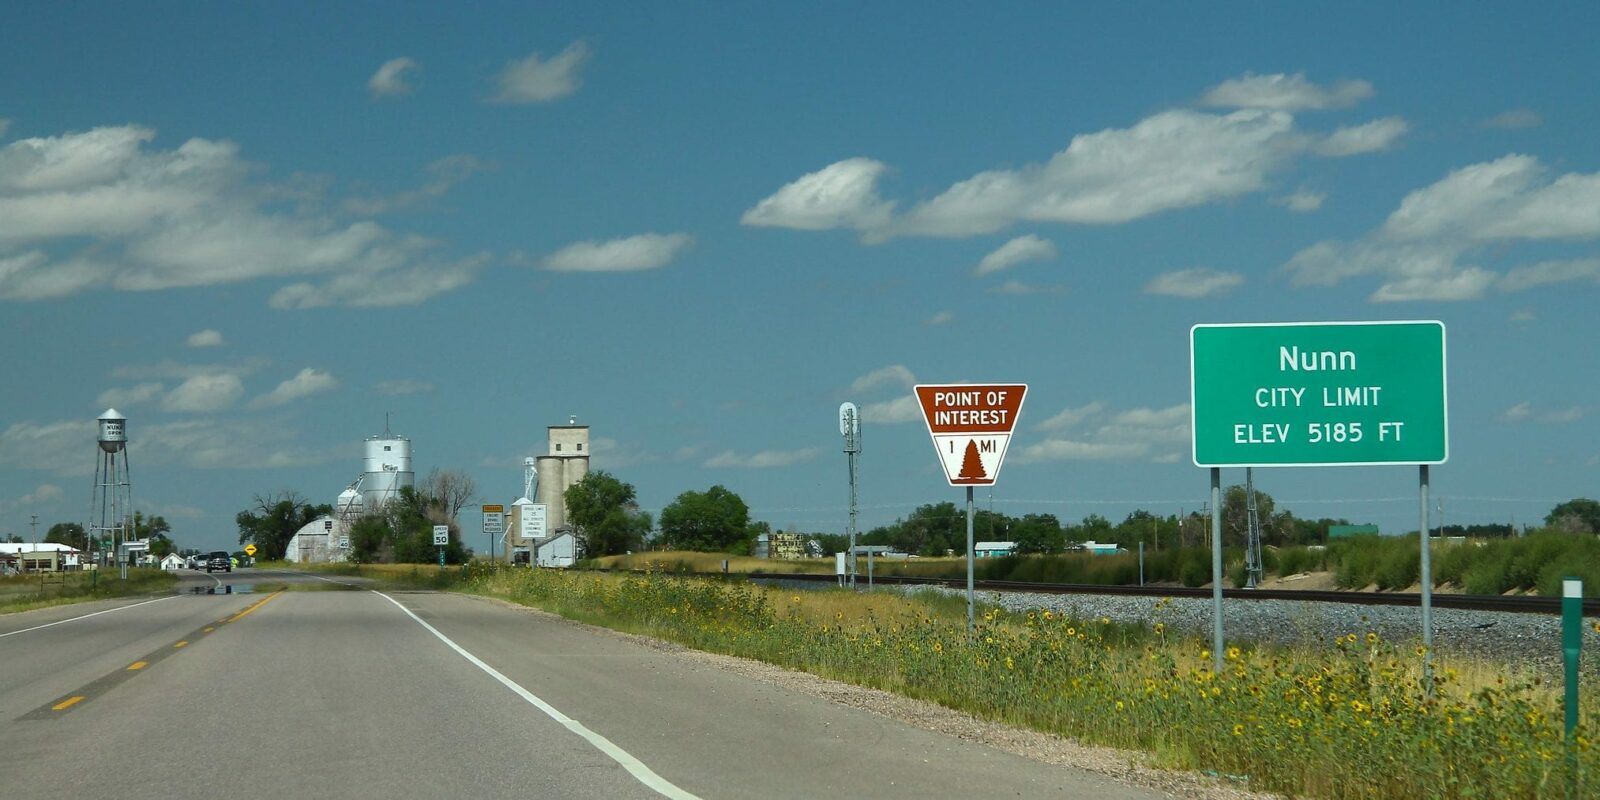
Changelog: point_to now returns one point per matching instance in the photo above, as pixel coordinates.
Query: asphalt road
(353, 693)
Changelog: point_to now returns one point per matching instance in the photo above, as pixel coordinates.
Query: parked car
(219, 559)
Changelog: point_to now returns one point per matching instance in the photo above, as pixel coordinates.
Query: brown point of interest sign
(971, 427)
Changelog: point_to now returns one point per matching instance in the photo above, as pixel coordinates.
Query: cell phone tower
(111, 513)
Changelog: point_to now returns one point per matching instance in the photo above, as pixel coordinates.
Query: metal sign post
(971, 428)
(1216, 570)
(1427, 580)
(1571, 649)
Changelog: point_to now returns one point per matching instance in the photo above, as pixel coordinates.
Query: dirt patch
(1130, 767)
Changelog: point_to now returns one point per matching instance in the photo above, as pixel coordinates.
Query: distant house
(993, 549)
(173, 561)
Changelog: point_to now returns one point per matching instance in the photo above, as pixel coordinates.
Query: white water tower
(111, 512)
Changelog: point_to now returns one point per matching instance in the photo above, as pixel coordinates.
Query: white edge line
(634, 766)
(85, 616)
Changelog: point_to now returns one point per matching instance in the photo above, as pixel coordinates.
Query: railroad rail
(1520, 604)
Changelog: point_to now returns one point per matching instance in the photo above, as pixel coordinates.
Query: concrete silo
(386, 470)
(564, 465)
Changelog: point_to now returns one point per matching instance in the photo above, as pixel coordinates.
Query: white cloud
(902, 409)
(173, 370)
(841, 195)
(1371, 137)
(1072, 450)
(403, 386)
(67, 447)
(941, 318)
(1515, 118)
(442, 176)
(99, 210)
(1422, 249)
(44, 494)
(1193, 283)
(1171, 160)
(1545, 273)
(1016, 251)
(390, 79)
(204, 393)
(1284, 92)
(892, 375)
(1104, 436)
(205, 338)
(1562, 417)
(1518, 412)
(534, 80)
(611, 454)
(1018, 287)
(130, 395)
(1071, 417)
(763, 459)
(1523, 315)
(630, 254)
(1302, 200)
(305, 383)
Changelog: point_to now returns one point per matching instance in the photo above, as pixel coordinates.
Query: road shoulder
(1127, 767)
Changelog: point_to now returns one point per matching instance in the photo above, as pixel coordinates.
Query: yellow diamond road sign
(249, 549)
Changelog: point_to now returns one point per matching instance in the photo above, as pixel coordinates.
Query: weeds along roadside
(28, 592)
(1349, 720)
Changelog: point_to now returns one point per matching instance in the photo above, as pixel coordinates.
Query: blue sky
(256, 228)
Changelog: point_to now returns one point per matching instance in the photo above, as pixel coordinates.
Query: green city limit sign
(1318, 394)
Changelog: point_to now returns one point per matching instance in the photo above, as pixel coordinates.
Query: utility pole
(35, 525)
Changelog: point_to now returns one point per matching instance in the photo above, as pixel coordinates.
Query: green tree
(273, 521)
(1236, 515)
(716, 520)
(371, 540)
(411, 516)
(154, 530)
(70, 534)
(601, 509)
(1038, 533)
(1579, 515)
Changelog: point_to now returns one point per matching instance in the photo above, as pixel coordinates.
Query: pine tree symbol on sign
(971, 464)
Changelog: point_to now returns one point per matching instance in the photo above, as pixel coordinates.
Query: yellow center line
(208, 630)
(138, 665)
(253, 607)
(182, 643)
(67, 703)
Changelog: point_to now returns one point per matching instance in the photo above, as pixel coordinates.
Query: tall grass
(1352, 720)
(25, 592)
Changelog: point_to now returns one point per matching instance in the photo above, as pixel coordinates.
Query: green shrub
(1485, 577)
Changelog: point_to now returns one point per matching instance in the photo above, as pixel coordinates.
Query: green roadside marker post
(1571, 648)
(1314, 394)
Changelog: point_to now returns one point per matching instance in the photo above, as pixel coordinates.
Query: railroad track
(1521, 604)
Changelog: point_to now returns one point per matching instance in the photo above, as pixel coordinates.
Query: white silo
(386, 470)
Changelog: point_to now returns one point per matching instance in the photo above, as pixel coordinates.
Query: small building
(993, 549)
(1102, 548)
(560, 549)
(40, 556)
(172, 561)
